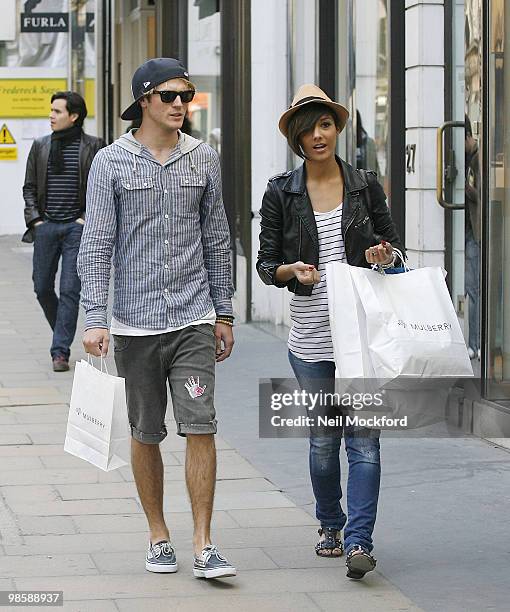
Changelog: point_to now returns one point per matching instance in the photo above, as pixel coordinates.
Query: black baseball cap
(149, 75)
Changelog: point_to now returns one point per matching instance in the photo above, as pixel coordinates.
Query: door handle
(439, 165)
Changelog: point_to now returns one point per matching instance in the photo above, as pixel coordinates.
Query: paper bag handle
(90, 361)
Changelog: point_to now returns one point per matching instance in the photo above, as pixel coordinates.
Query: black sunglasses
(168, 96)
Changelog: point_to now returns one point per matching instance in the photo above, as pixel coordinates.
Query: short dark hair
(74, 104)
(304, 121)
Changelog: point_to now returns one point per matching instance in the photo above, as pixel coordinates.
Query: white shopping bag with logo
(389, 326)
(97, 427)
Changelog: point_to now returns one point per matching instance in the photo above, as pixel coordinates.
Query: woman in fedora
(326, 211)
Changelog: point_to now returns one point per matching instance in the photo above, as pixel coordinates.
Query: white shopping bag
(393, 326)
(97, 427)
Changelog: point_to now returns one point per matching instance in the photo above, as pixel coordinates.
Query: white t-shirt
(310, 334)
(119, 329)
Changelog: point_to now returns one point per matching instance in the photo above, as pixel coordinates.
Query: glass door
(457, 170)
(473, 28)
(496, 212)
(451, 167)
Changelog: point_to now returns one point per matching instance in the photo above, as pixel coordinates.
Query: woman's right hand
(306, 274)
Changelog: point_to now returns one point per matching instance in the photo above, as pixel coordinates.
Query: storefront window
(57, 37)
(38, 43)
(302, 15)
(498, 213)
(83, 52)
(372, 72)
(204, 65)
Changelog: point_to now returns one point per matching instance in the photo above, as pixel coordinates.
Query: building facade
(411, 73)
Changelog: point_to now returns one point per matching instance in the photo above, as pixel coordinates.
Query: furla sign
(44, 22)
(51, 22)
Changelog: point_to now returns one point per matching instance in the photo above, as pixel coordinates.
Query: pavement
(441, 536)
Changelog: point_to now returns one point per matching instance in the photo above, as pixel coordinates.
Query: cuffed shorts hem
(197, 428)
(148, 438)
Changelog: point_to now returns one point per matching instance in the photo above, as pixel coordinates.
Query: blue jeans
(364, 465)
(52, 242)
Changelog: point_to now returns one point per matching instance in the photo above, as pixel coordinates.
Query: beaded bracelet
(225, 317)
(225, 322)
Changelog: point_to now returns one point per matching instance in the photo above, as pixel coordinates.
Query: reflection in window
(498, 211)
(43, 49)
(204, 65)
(372, 87)
(301, 15)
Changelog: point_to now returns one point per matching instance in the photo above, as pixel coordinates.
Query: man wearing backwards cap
(154, 199)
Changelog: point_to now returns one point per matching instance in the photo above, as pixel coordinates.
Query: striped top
(165, 226)
(62, 190)
(310, 334)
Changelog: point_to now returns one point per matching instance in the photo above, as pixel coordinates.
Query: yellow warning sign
(8, 153)
(5, 135)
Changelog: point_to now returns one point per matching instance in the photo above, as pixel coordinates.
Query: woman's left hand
(379, 253)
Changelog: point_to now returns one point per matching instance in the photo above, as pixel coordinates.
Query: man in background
(54, 192)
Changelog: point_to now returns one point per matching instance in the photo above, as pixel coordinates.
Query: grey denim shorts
(186, 359)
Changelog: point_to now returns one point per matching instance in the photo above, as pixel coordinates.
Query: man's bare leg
(201, 481)
(148, 472)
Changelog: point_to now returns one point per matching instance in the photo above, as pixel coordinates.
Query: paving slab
(30, 450)
(112, 490)
(33, 493)
(176, 489)
(111, 586)
(301, 557)
(6, 584)
(14, 439)
(68, 508)
(55, 476)
(45, 525)
(76, 543)
(228, 501)
(132, 523)
(8, 419)
(224, 472)
(271, 517)
(56, 417)
(288, 602)
(21, 463)
(21, 566)
(385, 601)
(47, 409)
(24, 391)
(94, 605)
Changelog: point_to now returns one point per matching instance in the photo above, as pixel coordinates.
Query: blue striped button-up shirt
(167, 229)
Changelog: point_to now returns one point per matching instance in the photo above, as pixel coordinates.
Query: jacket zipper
(299, 251)
(299, 244)
(351, 220)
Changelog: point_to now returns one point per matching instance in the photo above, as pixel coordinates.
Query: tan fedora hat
(308, 94)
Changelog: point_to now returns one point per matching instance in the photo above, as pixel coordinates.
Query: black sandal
(359, 562)
(330, 545)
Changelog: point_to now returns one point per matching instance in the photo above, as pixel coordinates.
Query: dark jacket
(34, 188)
(289, 233)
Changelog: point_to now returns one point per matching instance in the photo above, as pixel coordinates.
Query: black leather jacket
(34, 188)
(288, 232)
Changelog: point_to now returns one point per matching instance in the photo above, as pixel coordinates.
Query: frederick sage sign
(50, 22)
(23, 98)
